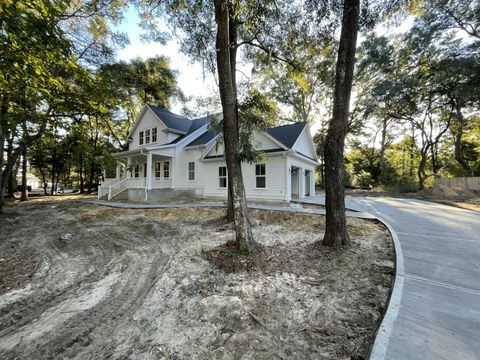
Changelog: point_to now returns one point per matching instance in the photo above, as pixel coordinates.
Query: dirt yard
(89, 282)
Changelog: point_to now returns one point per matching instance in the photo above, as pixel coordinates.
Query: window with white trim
(222, 176)
(137, 170)
(140, 138)
(166, 169)
(191, 170)
(158, 174)
(147, 136)
(154, 135)
(260, 176)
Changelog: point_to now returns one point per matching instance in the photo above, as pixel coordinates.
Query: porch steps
(122, 196)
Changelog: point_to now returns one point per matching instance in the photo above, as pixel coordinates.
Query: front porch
(140, 170)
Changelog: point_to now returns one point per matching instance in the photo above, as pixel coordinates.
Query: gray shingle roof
(172, 121)
(287, 134)
(203, 139)
(195, 125)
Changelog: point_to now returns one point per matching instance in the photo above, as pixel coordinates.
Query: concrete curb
(382, 338)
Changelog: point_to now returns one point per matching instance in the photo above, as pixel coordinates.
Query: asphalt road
(434, 311)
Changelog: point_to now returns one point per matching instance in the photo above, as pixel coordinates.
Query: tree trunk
(11, 185)
(412, 153)
(2, 185)
(230, 214)
(243, 232)
(44, 180)
(336, 234)
(12, 178)
(80, 174)
(233, 37)
(54, 161)
(421, 170)
(382, 151)
(24, 196)
(458, 142)
(91, 177)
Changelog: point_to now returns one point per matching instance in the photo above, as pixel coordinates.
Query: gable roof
(194, 125)
(172, 121)
(287, 134)
(203, 139)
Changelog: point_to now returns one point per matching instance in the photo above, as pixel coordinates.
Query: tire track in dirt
(118, 277)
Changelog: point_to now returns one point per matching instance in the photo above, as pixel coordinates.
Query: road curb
(382, 337)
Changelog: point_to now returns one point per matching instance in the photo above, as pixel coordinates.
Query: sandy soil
(90, 282)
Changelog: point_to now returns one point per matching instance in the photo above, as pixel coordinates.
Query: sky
(191, 78)
(190, 75)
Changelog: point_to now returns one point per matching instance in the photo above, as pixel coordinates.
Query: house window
(222, 176)
(154, 135)
(260, 176)
(158, 173)
(140, 138)
(147, 136)
(166, 169)
(191, 170)
(137, 170)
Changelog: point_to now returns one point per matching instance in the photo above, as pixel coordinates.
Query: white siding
(275, 179)
(172, 136)
(261, 141)
(304, 144)
(182, 159)
(148, 121)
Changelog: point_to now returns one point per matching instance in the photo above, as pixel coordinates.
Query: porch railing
(103, 187)
(117, 188)
(113, 188)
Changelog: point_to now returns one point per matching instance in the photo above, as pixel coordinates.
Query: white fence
(466, 183)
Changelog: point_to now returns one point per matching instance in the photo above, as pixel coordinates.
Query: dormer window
(140, 138)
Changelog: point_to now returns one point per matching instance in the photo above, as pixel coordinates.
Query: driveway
(434, 311)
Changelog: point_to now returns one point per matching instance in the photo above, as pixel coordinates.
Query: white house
(169, 155)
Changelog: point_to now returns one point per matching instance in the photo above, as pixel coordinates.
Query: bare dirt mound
(95, 282)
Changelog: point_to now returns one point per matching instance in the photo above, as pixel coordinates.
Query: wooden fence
(466, 183)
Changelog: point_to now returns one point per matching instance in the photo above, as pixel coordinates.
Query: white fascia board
(209, 147)
(303, 157)
(197, 133)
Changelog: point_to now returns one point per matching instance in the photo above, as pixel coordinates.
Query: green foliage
(362, 180)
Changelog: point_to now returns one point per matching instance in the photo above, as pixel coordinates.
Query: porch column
(301, 183)
(172, 172)
(128, 173)
(117, 172)
(149, 171)
(288, 181)
(312, 182)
